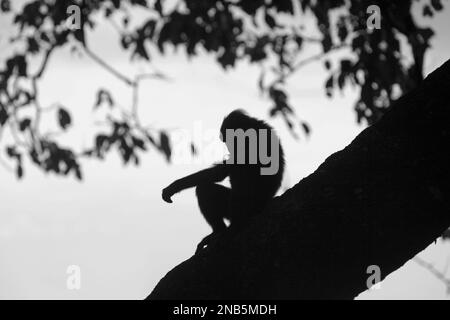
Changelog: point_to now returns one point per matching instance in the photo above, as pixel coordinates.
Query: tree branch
(380, 201)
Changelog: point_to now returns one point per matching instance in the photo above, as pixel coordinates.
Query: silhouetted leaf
(152, 140)
(126, 151)
(140, 50)
(270, 20)
(164, 145)
(341, 80)
(101, 144)
(139, 143)
(116, 3)
(278, 95)
(284, 6)
(3, 115)
(437, 5)
(329, 86)
(24, 124)
(342, 29)
(33, 45)
(12, 152)
(306, 128)
(125, 21)
(19, 171)
(158, 6)
(103, 95)
(78, 173)
(346, 66)
(326, 43)
(20, 63)
(250, 7)
(63, 118)
(427, 12)
(299, 41)
(79, 35)
(193, 149)
(273, 111)
(5, 5)
(261, 82)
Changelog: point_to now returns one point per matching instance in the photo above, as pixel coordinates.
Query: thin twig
(13, 113)
(134, 103)
(108, 67)
(308, 60)
(44, 63)
(34, 80)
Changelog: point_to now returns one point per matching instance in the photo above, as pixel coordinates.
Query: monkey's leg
(213, 200)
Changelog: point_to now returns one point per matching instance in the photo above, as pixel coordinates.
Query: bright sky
(114, 224)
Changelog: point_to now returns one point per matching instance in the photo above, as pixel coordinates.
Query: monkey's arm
(213, 174)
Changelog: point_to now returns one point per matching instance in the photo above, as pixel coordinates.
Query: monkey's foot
(206, 241)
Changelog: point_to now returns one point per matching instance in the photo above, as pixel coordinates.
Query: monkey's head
(237, 119)
(246, 141)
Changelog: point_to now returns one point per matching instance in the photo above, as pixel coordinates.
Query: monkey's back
(251, 191)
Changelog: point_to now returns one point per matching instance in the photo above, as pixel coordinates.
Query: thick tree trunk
(379, 201)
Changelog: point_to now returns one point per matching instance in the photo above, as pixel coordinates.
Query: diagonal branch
(108, 67)
(358, 209)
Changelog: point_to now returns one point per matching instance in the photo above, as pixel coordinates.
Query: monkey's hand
(168, 192)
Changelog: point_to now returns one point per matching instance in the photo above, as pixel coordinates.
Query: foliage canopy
(270, 33)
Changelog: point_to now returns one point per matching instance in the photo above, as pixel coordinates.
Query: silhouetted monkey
(255, 168)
